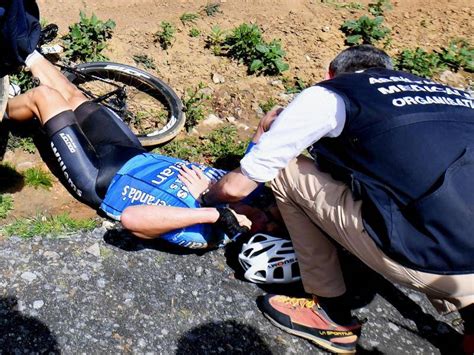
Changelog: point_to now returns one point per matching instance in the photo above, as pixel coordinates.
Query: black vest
(407, 151)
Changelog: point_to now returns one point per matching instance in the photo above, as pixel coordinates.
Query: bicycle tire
(141, 81)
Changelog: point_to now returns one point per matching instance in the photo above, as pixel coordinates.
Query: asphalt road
(105, 292)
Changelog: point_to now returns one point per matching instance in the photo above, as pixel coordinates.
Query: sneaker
(13, 90)
(48, 33)
(304, 317)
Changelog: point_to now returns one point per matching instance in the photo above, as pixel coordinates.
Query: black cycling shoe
(48, 33)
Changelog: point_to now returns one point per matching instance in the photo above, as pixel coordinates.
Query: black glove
(229, 224)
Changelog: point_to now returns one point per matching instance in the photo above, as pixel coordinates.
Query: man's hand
(266, 122)
(195, 180)
(232, 223)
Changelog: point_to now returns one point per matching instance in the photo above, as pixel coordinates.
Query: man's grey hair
(358, 58)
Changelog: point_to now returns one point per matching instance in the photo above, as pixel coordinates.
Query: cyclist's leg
(41, 102)
(50, 76)
(74, 154)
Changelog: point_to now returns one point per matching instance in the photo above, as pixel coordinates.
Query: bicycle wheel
(150, 107)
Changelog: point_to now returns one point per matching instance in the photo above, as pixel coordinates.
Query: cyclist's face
(269, 222)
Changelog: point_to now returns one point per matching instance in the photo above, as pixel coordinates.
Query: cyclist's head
(263, 212)
(358, 58)
(3, 95)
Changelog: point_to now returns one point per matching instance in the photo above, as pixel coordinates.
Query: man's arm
(233, 186)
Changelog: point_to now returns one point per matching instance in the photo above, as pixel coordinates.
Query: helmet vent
(261, 251)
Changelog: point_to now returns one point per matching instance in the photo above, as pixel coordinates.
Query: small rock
(108, 224)
(212, 120)
(230, 119)
(218, 78)
(164, 331)
(94, 249)
(38, 304)
(326, 29)
(452, 79)
(51, 255)
(393, 327)
(25, 165)
(178, 278)
(28, 276)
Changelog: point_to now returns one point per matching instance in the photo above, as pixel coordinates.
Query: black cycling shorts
(90, 145)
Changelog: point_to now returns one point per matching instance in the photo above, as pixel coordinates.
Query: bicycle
(146, 103)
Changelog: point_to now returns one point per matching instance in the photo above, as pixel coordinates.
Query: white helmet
(268, 259)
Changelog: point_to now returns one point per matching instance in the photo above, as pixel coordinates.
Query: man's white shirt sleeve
(315, 113)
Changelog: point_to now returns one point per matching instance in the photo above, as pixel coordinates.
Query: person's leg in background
(326, 319)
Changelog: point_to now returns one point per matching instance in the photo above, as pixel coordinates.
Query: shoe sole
(320, 342)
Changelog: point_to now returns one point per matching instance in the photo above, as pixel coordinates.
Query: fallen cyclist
(105, 166)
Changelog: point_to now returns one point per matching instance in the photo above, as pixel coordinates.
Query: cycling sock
(337, 308)
(32, 58)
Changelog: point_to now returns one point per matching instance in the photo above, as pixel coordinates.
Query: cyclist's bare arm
(151, 221)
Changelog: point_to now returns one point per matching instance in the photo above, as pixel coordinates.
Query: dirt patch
(309, 32)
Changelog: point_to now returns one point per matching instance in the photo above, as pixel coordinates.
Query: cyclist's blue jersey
(152, 179)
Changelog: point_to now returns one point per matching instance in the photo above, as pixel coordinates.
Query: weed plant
(47, 226)
(87, 39)
(194, 32)
(145, 60)
(25, 80)
(188, 17)
(212, 8)
(6, 205)
(458, 55)
(268, 105)
(379, 7)
(351, 5)
(193, 106)
(364, 30)
(215, 40)
(294, 86)
(246, 45)
(165, 35)
(38, 178)
(26, 144)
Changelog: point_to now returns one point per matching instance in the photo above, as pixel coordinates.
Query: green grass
(38, 178)
(47, 226)
(6, 205)
(24, 143)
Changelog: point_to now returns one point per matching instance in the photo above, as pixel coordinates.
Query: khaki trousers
(317, 208)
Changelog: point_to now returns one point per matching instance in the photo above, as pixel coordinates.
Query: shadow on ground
(228, 337)
(124, 240)
(20, 334)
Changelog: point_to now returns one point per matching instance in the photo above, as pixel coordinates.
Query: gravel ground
(104, 292)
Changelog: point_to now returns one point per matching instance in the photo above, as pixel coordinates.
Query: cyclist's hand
(232, 224)
(195, 180)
